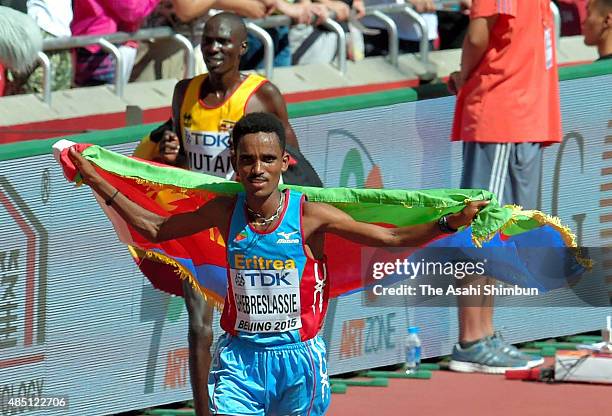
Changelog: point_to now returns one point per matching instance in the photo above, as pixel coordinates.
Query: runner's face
(221, 48)
(259, 162)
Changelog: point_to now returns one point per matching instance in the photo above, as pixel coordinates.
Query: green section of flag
(395, 207)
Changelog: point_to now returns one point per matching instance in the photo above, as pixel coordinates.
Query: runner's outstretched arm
(325, 218)
(150, 225)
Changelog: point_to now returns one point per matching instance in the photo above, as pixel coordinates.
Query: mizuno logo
(286, 238)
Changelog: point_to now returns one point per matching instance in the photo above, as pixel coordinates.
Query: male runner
(205, 107)
(204, 110)
(270, 360)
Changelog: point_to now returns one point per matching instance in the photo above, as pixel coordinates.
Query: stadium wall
(27, 117)
(77, 319)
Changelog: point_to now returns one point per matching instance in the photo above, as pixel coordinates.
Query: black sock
(468, 344)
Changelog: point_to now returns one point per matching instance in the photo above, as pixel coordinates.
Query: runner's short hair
(258, 123)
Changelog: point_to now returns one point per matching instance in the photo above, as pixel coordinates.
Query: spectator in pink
(99, 17)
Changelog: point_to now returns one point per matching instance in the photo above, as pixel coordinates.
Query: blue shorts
(284, 380)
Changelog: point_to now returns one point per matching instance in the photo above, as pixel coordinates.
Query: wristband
(109, 201)
(444, 227)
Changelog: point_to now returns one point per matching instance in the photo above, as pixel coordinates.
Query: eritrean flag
(201, 257)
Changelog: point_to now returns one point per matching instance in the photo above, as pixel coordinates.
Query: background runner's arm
(150, 225)
(177, 102)
(326, 218)
(273, 102)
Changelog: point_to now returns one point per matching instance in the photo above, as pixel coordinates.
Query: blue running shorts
(283, 380)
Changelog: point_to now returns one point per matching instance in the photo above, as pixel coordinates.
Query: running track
(454, 394)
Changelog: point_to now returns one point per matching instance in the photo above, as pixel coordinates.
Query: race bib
(548, 48)
(208, 152)
(266, 300)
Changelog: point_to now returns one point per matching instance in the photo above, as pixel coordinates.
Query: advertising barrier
(80, 325)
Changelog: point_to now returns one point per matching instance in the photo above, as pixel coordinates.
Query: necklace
(260, 220)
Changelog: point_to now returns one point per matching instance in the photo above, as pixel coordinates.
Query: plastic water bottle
(413, 350)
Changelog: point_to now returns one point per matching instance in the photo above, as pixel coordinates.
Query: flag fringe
(209, 296)
(569, 238)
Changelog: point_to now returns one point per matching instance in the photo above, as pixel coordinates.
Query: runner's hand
(169, 147)
(85, 167)
(466, 215)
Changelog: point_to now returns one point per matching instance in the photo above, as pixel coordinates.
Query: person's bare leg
(200, 338)
(487, 313)
(470, 323)
(472, 313)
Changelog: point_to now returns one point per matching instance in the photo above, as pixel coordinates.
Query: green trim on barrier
(585, 339)
(595, 69)
(102, 137)
(352, 102)
(429, 366)
(338, 388)
(305, 109)
(420, 374)
(374, 382)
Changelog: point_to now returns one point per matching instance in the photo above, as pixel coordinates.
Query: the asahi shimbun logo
(23, 281)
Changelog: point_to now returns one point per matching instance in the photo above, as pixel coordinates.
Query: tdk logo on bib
(286, 238)
(263, 278)
(207, 139)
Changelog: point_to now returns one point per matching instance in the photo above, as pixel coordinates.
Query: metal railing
(341, 43)
(257, 29)
(380, 11)
(454, 5)
(268, 47)
(393, 36)
(119, 65)
(107, 42)
(47, 76)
